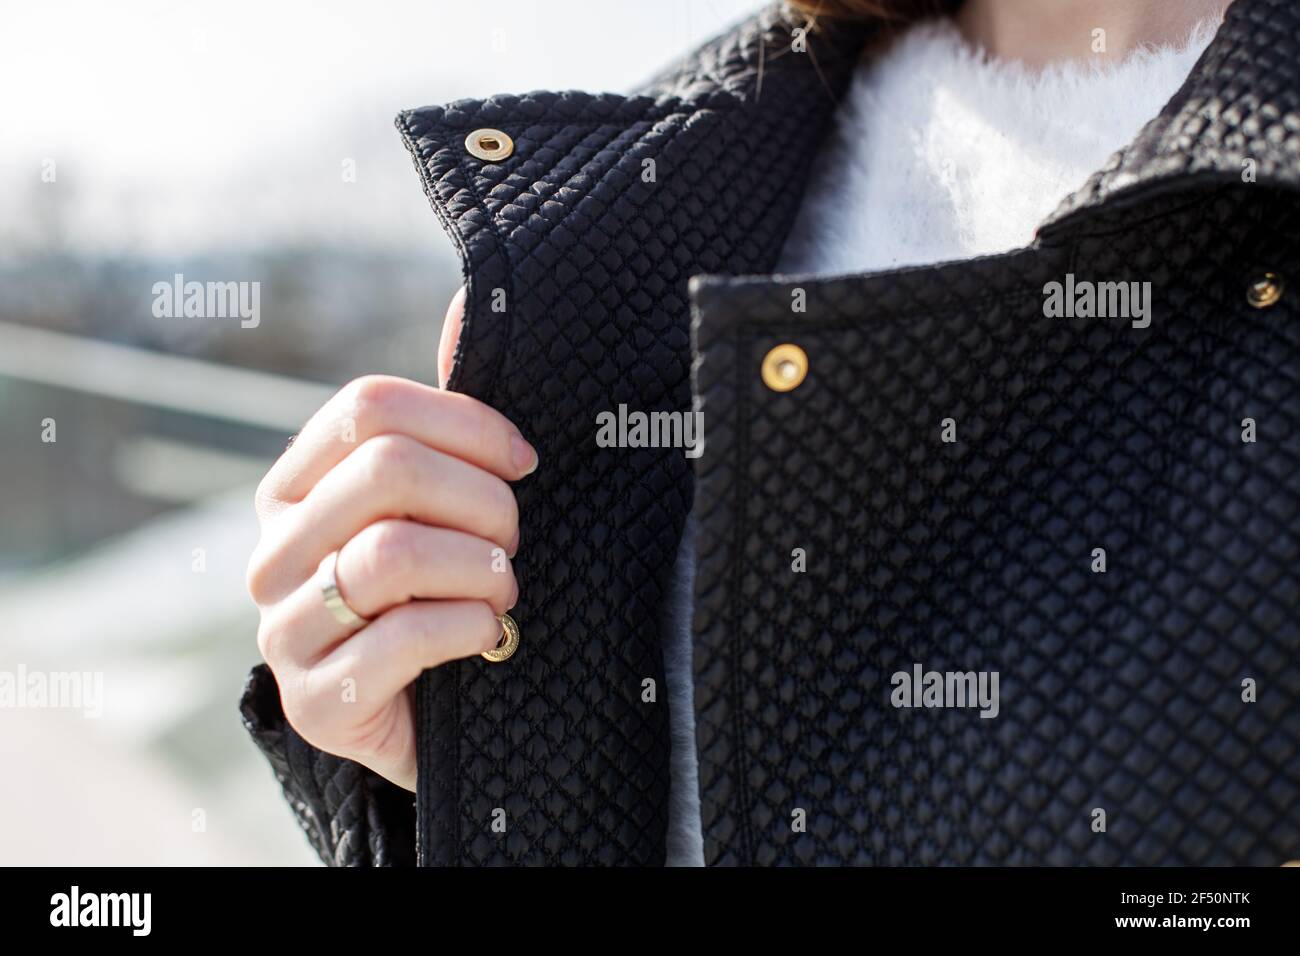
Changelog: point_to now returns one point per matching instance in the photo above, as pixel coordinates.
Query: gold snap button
(509, 642)
(489, 144)
(1265, 290)
(1292, 863)
(785, 367)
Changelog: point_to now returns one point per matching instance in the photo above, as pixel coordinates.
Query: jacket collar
(775, 50)
(1237, 113)
(749, 92)
(1238, 110)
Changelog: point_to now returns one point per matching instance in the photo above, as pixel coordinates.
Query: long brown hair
(896, 10)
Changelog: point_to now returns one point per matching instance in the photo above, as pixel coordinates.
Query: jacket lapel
(765, 74)
(577, 249)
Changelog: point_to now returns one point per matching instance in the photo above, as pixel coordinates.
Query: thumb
(450, 336)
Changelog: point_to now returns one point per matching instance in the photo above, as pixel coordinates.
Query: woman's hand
(409, 484)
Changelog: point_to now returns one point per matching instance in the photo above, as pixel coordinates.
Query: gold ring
(507, 644)
(329, 586)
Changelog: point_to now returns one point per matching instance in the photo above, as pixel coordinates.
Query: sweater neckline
(939, 153)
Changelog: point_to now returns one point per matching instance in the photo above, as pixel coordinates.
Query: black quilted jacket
(1125, 691)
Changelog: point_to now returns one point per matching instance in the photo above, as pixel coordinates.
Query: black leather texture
(1120, 691)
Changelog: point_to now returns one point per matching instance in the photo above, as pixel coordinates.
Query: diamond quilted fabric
(1119, 691)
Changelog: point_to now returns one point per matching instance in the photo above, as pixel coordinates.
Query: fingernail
(514, 545)
(523, 455)
(514, 597)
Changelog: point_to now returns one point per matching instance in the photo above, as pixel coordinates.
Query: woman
(994, 539)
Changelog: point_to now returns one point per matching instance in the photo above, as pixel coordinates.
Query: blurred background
(225, 140)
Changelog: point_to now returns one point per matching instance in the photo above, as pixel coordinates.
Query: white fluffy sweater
(937, 154)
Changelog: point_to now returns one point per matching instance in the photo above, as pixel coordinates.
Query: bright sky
(180, 126)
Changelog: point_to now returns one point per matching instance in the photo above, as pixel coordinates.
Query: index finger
(448, 422)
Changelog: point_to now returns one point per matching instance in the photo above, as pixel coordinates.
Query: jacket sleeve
(351, 815)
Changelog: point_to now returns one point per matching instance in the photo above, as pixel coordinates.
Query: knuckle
(266, 641)
(275, 640)
(262, 496)
(387, 457)
(370, 396)
(267, 501)
(258, 575)
(411, 626)
(385, 548)
(370, 402)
